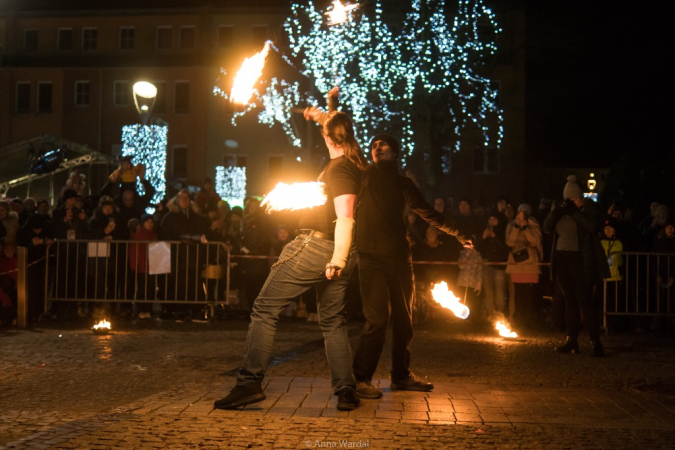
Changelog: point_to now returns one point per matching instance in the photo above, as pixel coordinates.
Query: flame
(447, 299)
(295, 196)
(504, 330)
(102, 324)
(339, 12)
(248, 75)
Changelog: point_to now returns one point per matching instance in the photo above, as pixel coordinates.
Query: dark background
(597, 82)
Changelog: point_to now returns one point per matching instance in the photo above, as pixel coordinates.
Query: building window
(82, 93)
(30, 40)
(44, 97)
(89, 38)
(275, 167)
(179, 161)
(127, 38)
(160, 100)
(121, 93)
(164, 35)
(259, 35)
(182, 97)
(64, 39)
(231, 160)
(22, 97)
(225, 36)
(486, 160)
(187, 38)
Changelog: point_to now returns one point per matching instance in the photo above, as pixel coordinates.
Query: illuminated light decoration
(231, 184)
(295, 196)
(504, 330)
(447, 299)
(147, 145)
(384, 78)
(339, 13)
(248, 76)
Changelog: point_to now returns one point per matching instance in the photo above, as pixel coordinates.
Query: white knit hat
(572, 189)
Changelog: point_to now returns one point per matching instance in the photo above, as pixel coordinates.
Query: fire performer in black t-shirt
(323, 255)
(385, 267)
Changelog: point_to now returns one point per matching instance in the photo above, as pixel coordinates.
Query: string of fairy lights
(384, 73)
(147, 144)
(231, 184)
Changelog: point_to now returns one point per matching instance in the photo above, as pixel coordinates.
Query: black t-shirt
(380, 222)
(341, 177)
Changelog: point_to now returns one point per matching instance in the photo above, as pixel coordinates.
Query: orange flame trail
(338, 14)
(295, 196)
(447, 299)
(248, 75)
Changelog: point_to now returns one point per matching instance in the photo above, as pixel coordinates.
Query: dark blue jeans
(301, 265)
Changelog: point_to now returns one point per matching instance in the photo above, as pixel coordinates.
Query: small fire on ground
(505, 330)
(447, 299)
(103, 325)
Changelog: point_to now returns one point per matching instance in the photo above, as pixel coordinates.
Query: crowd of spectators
(501, 276)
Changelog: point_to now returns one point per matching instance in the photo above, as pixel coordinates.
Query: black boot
(241, 396)
(571, 345)
(598, 351)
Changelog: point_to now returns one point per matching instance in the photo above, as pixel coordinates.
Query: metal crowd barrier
(645, 288)
(167, 272)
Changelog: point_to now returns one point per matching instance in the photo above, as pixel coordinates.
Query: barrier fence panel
(171, 272)
(646, 286)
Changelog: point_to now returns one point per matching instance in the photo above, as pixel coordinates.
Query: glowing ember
(295, 196)
(339, 12)
(447, 299)
(504, 330)
(248, 75)
(102, 325)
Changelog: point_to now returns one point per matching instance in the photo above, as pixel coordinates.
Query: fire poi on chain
(102, 327)
(504, 330)
(338, 14)
(248, 75)
(295, 196)
(447, 299)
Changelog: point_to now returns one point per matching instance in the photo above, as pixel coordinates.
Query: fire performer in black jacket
(385, 267)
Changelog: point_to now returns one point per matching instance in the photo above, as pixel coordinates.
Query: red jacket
(138, 253)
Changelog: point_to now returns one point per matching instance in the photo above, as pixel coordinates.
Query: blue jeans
(301, 265)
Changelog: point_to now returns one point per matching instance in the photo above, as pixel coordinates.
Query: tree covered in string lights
(422, 82)
(147, 145)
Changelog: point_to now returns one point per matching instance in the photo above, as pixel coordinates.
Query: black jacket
(380, 214)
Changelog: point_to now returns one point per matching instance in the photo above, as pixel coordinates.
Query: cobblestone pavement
(152, 385)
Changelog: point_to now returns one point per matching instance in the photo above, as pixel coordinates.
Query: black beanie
(69, 193)
(393, 143)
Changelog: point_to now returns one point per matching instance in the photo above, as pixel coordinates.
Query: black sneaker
(241, 396)
(412, 383)
(347, 399)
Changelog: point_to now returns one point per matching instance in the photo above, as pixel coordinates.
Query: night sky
(596, 82)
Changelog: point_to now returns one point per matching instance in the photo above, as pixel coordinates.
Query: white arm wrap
(344, 230)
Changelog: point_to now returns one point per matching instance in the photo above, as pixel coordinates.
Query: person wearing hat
(613, 248)
(385, 267)
(578, 262)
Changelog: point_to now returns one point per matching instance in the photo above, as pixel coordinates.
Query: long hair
(338, 126)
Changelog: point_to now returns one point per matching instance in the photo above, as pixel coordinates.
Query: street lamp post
(147, 143)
